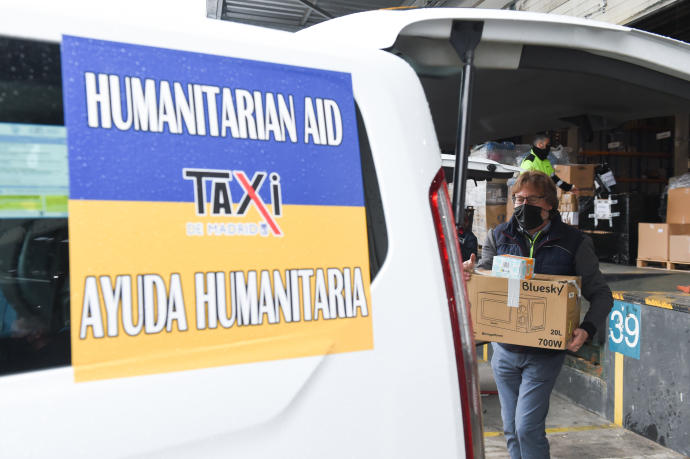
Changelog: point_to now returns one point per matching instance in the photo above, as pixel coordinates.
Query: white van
(262, 254)
(173, 329)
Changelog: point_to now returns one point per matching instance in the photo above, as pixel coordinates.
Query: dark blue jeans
(524, 383)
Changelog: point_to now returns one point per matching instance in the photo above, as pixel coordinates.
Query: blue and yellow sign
(625, 327)
(216, 211)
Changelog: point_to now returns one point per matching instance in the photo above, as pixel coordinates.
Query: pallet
(679, 265)
(664, 264)
(659, 264)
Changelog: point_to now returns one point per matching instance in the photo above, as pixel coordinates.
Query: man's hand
(575, 191)
(577, 339)
(468, 267)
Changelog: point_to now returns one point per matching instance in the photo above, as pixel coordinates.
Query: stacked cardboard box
(568, 208)
(580, 175)
(654, 240)
(678, 214)
(668, 241)
(678, 209)
(679, 248)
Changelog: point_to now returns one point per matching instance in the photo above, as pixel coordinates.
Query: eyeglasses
(531, 200)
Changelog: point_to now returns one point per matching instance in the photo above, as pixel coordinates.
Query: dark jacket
(561, 250)
(468, 244)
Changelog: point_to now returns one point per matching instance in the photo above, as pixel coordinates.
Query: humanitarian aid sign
(216, 211)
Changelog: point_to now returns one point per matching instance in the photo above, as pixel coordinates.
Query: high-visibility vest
(533, 163)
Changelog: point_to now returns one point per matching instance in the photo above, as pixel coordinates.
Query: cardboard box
(568, 208)
(678, 209)
(485, 219)
(489, 202)
(653, 240)
(540, 312)
(513, 266)
(580, 175)
(679, 248)
(567, 202)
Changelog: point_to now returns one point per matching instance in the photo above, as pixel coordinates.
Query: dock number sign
(624, 329)
(216, 211)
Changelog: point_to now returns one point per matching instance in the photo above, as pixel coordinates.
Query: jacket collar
(553, 231)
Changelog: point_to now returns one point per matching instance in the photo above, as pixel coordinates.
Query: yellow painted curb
(618, 390)
(561, 429)
(659, 302)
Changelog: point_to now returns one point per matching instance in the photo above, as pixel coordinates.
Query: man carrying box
(525, 376)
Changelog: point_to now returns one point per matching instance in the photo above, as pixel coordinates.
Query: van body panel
(380, 29)
(383, 26)
(534, 71)
(400, 399)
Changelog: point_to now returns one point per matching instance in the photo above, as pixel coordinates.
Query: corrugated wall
(613, 11)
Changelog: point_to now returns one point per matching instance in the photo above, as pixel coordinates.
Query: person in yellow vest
(537, 160)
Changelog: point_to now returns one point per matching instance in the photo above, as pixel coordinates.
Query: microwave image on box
(493, 310)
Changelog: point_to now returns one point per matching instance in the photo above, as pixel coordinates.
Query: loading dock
(573, 432)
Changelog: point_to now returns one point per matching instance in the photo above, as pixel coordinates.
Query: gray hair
(540, 137)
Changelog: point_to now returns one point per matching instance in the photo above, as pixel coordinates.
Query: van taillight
(465, 354)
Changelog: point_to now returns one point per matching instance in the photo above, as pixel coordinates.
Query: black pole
(461, 142)
(464, 37)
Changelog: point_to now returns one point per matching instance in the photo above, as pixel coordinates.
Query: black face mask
(541, 153)
(528, 216)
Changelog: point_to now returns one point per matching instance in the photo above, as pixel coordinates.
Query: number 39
(623, 326)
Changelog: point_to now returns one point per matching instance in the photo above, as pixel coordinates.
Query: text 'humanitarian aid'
(216, 211)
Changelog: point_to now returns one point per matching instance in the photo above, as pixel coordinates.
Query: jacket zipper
(523, 247)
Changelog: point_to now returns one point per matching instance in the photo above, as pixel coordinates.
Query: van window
(376, 221)
(34, 255)
(34, 273)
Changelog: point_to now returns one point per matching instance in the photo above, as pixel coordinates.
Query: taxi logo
(222, 203)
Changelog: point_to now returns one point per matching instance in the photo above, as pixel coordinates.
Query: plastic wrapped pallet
(502, 152)
(679, 181)
(489, 201)
(562, 155)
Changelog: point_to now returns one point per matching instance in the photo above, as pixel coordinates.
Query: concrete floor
(573, 432)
